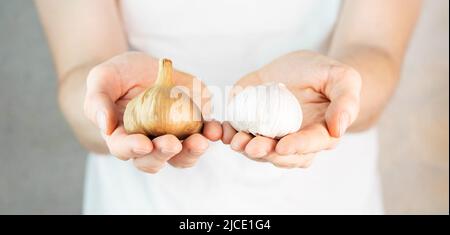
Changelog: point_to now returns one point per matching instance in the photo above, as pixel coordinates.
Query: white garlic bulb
(269, 110)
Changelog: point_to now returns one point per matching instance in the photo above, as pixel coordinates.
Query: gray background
(41, 164)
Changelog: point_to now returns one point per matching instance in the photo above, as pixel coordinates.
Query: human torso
(219, 41)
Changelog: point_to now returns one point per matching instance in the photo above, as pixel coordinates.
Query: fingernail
(260, 154)
(103, 135)
(288, 150)
(234, 145)
(139, 148)
(197, 152)
(101, 121)
(141, 151)
(344, 121)
(167, 151)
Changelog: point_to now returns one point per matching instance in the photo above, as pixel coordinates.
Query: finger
(166, 147)
(109, 81)
(344, 90)
(101, 94)
(149, 164)
(101, 111)
(212, 130)
(308, 140)
(193, 147)
(227, 133)
(125, 146)
(292, 161)
(260, 146)
(240, 140)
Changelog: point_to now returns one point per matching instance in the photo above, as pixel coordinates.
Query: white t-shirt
(219, 41)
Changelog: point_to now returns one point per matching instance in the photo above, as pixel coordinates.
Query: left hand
(329, 94)
(112, 84)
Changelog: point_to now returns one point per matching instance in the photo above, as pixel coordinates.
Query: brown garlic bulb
(163, 109)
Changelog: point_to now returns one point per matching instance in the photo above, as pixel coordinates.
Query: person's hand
(329, 94)
(112, 84)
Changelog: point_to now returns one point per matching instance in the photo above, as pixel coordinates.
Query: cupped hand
(329, 94)
(112, 84)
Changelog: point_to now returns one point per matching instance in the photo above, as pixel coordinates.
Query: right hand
(111, 85)
(329, 93)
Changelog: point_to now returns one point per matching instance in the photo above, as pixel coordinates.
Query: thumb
(343, 89)
(99, 106)
(100, 109)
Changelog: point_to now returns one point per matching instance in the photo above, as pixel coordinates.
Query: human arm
(80, 34)
(347, 88)
(89, 49)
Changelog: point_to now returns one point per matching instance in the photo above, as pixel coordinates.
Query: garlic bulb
(163, 109)
(269, 110)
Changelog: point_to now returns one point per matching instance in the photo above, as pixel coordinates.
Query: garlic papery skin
(163, 109)
(269, 110)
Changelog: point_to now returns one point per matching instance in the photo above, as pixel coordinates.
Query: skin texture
(354, 82)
